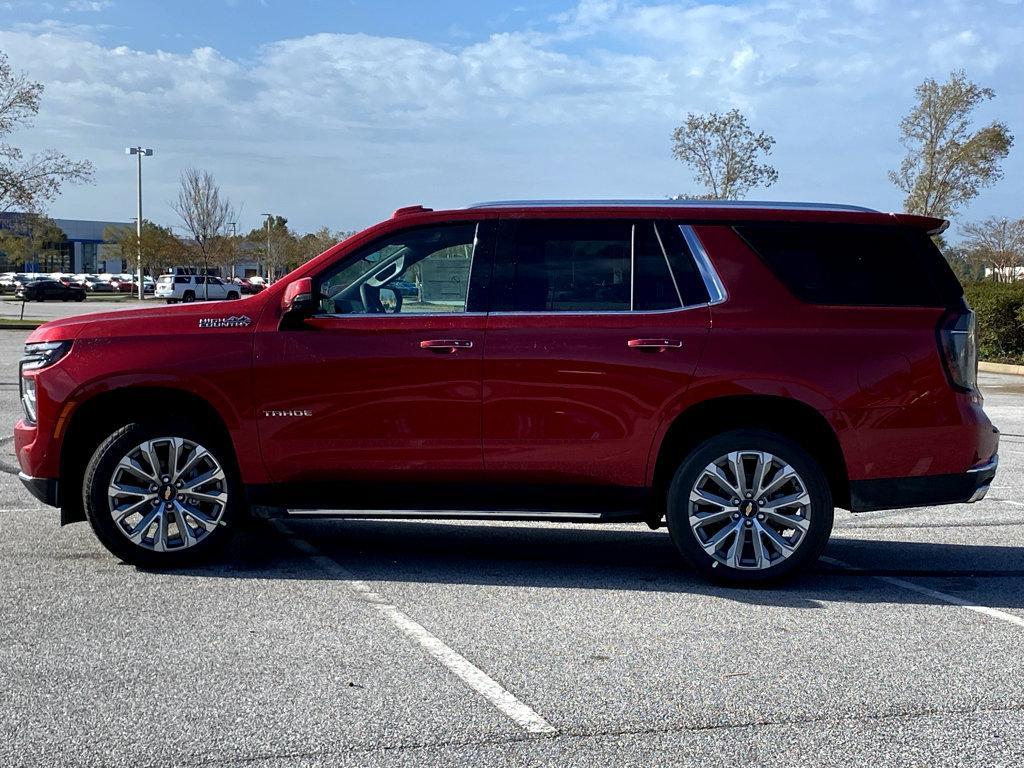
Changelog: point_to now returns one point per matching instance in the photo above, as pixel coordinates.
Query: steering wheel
(370, 296)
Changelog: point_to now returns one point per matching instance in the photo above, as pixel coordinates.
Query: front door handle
(445, 346)
(654, 345)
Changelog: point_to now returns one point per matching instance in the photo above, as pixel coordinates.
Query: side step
(469, 515)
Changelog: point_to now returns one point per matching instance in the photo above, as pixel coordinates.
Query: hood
(159, 320)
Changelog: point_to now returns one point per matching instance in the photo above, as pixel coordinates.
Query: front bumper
(924, 490)
(46, 490)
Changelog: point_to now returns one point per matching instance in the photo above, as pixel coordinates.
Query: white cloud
(341, 128)
(87, 6)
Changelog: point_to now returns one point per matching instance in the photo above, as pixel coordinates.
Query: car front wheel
(750, 506)
(161, 495)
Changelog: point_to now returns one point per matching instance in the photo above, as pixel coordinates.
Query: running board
(489, 515)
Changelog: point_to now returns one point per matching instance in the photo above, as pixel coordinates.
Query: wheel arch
(90, 423)
(791, 418)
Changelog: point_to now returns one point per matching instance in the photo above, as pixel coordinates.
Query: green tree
(725, 154)
(947, 162)
(28, 184)
(31, 238)
(160, 248)
(277, 246)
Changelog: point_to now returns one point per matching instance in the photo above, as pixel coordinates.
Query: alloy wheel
(168, 494)
(749, 510)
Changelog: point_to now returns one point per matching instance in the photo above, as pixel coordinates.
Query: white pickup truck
(191, 288)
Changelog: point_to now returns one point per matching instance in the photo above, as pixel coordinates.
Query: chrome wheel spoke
(706, 497)
(201, 518)
(720, 536)
(174, 458)
(715, 472)
(735, 554)
(792, 500)
(699, 520)
(149, 452)
(735, 461)
(134, 507)
(143, 526)
(797, 522)
(785, 474)
(216, 474)
(220, 497)
(784, 547)
(761, 555)
(184, 532)
(133, 467)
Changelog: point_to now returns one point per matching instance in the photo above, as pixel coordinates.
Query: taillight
(959, 345)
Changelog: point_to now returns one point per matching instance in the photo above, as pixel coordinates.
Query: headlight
(43, 354)
(38, 355)
(28, 397)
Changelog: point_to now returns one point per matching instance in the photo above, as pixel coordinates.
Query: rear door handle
(654, 345)
(445, 346)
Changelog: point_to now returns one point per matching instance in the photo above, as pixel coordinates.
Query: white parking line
(476, 679)
(936, 594)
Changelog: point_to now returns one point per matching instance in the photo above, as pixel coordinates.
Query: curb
(21, 325)
(1000, 368)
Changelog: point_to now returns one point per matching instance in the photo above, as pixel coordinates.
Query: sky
(336, 113)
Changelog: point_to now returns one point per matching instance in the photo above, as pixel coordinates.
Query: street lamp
(269, 268)
(140, 151)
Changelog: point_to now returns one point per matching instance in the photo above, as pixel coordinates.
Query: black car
(41, 290)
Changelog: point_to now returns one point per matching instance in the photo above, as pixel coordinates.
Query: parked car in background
(95, 284)
(148, 285)
(47, 288)
(191, 288)
(123, 283)
(7, 282)
(246, 286)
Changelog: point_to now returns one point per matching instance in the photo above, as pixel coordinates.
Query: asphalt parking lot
(395, 643)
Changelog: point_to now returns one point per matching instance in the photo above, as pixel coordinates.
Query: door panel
(568, 400)
(384, 385)
(357, 398)
(584, 354)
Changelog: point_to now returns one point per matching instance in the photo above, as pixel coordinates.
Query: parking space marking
(936, 594)
(476, 679)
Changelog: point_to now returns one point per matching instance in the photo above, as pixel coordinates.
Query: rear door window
(840, 264)
(602, 265)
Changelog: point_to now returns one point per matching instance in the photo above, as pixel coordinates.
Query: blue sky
(335, 113)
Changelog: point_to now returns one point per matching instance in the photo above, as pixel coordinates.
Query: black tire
(819, 513)
(188, 296)
(100, 471)
(232, 295)
(172, 301)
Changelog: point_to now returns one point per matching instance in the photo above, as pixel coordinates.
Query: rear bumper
(46, 490)
(924, 490)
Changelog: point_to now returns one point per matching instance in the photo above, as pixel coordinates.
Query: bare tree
(28, 184)
(947, 163)
(998, 245)
(724, 153)
(206, 215)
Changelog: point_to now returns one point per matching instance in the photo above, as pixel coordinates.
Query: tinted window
(570, 266)
(654, 288)
(181, 280)
(855, 264)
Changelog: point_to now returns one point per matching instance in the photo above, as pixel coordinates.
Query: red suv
(733, 369)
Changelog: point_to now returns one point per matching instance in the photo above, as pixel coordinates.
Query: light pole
(140, 151)
(269, 268)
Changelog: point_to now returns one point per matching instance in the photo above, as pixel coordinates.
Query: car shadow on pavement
(606, 558)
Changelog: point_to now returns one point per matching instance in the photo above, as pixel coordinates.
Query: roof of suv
(724, 211)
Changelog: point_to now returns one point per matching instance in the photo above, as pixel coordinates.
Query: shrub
(999, 308)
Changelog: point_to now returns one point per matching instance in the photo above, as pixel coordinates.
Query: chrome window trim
(632, 267)
(733, 204)
(716, 289)
(564, 313)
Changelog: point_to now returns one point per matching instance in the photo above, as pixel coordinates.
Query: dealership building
(82, 250)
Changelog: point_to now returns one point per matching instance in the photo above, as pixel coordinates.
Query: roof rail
(406, 210)
(779, 205)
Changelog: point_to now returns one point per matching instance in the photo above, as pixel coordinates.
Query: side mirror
(298, 297)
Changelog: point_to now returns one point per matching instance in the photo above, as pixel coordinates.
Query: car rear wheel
(161, 495)
(188, 296)
(749, 506)
(232, 295)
